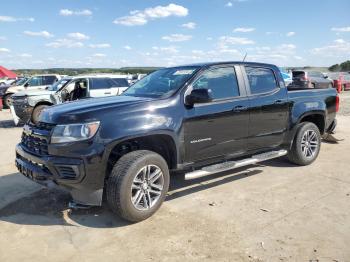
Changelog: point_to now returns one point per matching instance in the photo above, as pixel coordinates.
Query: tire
(306, 144)
(124, 185)
(36, 113)
(7, 100)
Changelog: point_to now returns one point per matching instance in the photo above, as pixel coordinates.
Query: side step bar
(209, 170)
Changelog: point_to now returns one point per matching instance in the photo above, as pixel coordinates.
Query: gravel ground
(344, 104)
(269, 212)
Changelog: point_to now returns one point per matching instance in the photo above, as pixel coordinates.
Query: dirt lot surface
(270, 212)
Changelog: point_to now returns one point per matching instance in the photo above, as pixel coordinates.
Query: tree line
(343, 67)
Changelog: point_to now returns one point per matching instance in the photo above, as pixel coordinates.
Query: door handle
(108, 93)
(278, 102)
(239, 108)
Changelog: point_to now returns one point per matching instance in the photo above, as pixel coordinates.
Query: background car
(3, 89)
(27, 105)
(35, 82)
(311, 79)
(341, 80)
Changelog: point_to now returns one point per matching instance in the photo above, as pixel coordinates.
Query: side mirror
(198, 96)
(325, 76)
(26, 84)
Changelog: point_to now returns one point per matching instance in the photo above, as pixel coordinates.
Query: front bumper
(68, 173)
(22, 110)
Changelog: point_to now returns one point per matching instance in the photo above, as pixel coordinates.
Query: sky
(111, 33)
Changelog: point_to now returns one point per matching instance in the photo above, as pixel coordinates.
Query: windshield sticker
(184, 72)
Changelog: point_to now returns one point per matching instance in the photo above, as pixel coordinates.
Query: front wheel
(137, 185)
(7, 101)
(36, 113)
(306, 145)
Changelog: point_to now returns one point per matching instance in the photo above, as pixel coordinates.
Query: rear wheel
(7, 101)
(306, 145)
(137, 185)
(36, 113)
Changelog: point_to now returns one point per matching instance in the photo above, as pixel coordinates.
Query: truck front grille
(35, 138)
(35, 144)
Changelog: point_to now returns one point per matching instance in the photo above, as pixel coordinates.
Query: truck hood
(87, 109)
(33, 93)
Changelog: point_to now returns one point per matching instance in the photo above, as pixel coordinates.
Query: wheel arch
(160, 143)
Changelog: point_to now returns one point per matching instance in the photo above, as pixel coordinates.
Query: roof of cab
(229, 62)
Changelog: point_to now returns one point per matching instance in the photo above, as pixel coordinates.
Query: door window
(222, 82)
(119, 82)
(100, 83)
(35, 81)
(261, 80)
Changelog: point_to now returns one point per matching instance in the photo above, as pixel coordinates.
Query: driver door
(220, 127)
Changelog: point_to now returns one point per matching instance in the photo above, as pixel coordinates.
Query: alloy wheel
(147, 187)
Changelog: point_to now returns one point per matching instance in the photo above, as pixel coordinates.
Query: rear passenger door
(100, 87)
(218, 128)
(268, 108)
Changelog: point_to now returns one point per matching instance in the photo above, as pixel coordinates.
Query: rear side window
(49, 80)
(119, 82)
(100, 83)
(221, 81)
(261, 80)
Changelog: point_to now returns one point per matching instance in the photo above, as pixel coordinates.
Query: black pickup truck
(200, 119)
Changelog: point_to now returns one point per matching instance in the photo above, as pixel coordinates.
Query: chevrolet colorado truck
(198, 119)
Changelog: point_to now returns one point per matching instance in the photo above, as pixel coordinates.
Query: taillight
(337, 103)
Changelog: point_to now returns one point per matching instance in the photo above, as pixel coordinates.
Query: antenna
(245, 56)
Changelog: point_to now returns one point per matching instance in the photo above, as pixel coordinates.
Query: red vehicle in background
(341, 81)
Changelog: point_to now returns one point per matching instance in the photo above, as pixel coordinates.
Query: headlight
(74, 132)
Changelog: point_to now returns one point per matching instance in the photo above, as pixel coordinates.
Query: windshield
(58, 84)
(20, 81)
(161, 83)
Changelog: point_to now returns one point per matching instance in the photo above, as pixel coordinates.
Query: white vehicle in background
(37, 82)
(27, 105)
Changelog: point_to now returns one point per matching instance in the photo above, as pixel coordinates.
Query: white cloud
(339, 48)
(166, 49)
(40, 34)
(65, 43)
(105, 45)
(25, 55)
(341, 29)
(127, 47)
(78, 36)
(177, 38)
(4, 50)
(3, 38)
(15, 19)
(137, 17)
(289, 34)
(229, 40)
(244, 29)
(68, 12)
(190, 25)
(99, 55)
(230, 4)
